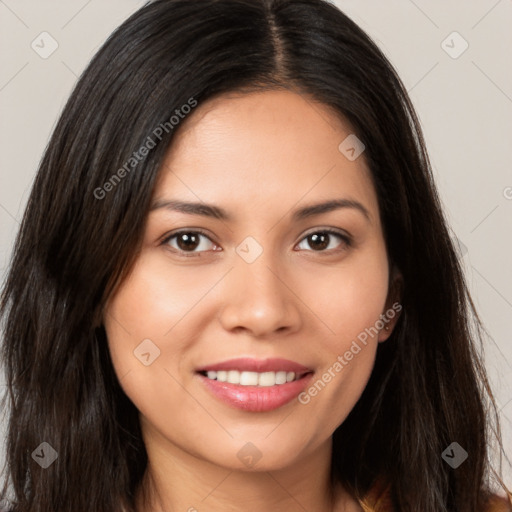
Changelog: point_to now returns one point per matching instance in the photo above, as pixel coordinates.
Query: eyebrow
(210, 210)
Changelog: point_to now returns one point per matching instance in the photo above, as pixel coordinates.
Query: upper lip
(245, 364)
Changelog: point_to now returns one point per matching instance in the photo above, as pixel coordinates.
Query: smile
(255, 385)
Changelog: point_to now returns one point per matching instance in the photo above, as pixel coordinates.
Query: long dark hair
(83, 225)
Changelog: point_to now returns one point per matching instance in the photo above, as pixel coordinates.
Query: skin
(259, 156)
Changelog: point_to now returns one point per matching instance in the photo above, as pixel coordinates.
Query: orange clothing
(379, 500)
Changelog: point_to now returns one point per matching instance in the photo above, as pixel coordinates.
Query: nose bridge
(257, 297)
(261, 278)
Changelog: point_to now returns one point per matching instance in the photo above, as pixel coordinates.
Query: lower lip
(256, 398)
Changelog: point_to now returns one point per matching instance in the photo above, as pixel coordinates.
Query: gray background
(464, 103)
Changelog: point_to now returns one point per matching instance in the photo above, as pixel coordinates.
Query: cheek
(350, 298)
(350, 303)
(157, 301)
(141, 321)
(335, 391)
(151, 300)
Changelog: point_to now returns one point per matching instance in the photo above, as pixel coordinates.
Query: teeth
(281, 377)
(233, 377)
(248, 379)
(263, 379)
(267, 379)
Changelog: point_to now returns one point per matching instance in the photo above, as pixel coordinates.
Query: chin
(259, 454)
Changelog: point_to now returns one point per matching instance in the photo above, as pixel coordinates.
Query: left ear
(393, 307)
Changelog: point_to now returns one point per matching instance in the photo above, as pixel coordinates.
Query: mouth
(255, 385)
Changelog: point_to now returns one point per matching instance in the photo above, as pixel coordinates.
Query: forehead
(264, 152)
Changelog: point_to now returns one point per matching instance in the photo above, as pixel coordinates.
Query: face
(295, 295)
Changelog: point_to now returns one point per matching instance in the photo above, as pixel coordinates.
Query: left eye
(323, 238)
(190, 241)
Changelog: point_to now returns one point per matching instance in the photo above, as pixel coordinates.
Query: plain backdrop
(453, 57)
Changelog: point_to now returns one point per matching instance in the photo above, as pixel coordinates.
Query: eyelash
(347, 241)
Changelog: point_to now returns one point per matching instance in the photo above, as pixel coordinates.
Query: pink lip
(245, 364)
(257, 398)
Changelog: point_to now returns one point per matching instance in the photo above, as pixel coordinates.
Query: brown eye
(189, 242)
(319, 241)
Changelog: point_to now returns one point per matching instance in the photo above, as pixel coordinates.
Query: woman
(234, 287)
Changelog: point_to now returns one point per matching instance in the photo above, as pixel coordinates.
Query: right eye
(185, 242)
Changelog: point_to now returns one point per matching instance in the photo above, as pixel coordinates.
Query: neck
(176, 480)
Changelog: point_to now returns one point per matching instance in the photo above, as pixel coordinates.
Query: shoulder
(378, 499)
(499, 504)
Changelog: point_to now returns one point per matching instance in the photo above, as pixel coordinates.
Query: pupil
(322, 238)
(190, 241)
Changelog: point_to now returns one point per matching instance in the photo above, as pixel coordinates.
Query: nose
(258, 299)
